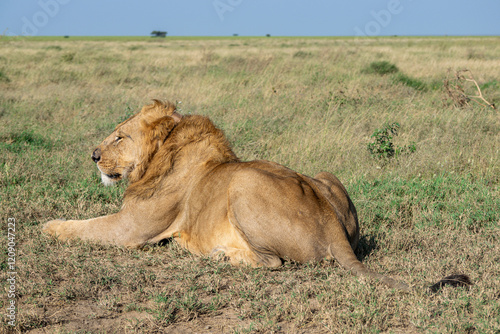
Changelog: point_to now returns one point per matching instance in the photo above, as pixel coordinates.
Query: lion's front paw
(55, 228)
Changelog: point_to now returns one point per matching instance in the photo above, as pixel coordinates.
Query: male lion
(186, 183)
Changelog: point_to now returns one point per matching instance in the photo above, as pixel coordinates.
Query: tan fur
(186, 183)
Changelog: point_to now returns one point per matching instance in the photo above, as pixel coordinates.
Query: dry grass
(302, 102)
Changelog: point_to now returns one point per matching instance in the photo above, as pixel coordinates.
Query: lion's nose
(96, 155)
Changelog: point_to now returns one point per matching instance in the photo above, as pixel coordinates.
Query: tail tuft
(452, 280)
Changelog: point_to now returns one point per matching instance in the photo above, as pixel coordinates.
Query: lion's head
(126, 152)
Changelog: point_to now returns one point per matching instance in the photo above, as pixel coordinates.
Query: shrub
(382, 146)
(381, 68)
(135, 47)
(68, 57)
(54, 47)
(302, 54)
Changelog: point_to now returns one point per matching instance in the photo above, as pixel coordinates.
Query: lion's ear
(177, 117)
(158, 130)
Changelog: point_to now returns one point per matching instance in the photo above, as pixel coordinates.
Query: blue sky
(249, 17)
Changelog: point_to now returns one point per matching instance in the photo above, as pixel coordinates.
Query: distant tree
(235, 35)
(157, 33)
(268, 35)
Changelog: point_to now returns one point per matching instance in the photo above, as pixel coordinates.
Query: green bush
(302, 54)
(381, 68)
(54, 47)
(68, 57)
(382, 146)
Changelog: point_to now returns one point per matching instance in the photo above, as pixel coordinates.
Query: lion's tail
(452, 280)
(344, 254)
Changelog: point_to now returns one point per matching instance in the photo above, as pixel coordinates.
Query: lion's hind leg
(238, 256)
(243, 248)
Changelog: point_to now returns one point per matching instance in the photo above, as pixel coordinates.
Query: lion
(186, 183)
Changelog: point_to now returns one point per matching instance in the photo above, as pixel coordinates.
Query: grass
(307, 103)
(410, 82)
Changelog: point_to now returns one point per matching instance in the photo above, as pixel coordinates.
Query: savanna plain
(427, 196)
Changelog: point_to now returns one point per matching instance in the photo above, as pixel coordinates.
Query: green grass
(307, 103)
(25, 140)
(3, 77)
(410, 82)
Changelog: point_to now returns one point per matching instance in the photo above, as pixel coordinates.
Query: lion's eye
(118, 138)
